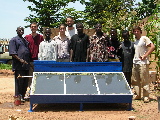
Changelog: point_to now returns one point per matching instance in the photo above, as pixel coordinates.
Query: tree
(144, 9)
(78, 16)
(152, 28)
(110, 13)
(47, 12)
(121, 14)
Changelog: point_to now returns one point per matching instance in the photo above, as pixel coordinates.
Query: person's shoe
(22, 100)
(146, 99)
(27, 98)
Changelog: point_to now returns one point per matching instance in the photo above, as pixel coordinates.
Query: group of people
(73, 45)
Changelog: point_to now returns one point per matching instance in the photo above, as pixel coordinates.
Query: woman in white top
(62, 42)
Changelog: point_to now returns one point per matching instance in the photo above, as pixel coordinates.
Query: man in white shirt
(143, 48)
(47, 48)
(70, 30)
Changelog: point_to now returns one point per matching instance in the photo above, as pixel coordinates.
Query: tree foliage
(110, 13)
(146, 8)
(47, 12)
(78, 16)
(152, 28)
(121, 14)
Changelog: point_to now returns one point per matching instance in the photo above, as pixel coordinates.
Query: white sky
(13, 13)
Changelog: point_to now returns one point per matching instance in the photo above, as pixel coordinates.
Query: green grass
(5, 66)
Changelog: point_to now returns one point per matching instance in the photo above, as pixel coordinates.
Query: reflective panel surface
(112, 83)
(80, 83)
(90, 83)
(46, 83)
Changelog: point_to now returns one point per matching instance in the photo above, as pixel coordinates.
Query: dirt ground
(105, 111)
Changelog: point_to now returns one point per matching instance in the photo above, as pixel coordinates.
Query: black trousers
(128, 77)
(21, 83)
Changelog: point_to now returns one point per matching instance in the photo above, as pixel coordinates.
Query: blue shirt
(19, 47)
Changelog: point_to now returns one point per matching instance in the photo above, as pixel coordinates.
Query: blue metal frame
(39, 99)
(51, 66)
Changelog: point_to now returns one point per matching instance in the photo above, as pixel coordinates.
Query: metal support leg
(81, 107)
(130, 107)
(31, 107)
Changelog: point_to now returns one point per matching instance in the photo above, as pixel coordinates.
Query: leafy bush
(5, 66)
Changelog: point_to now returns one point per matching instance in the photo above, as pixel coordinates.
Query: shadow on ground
(57, 107)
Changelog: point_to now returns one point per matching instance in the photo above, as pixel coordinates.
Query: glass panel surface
(47, 83)
(80, 83)
(112, 83)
